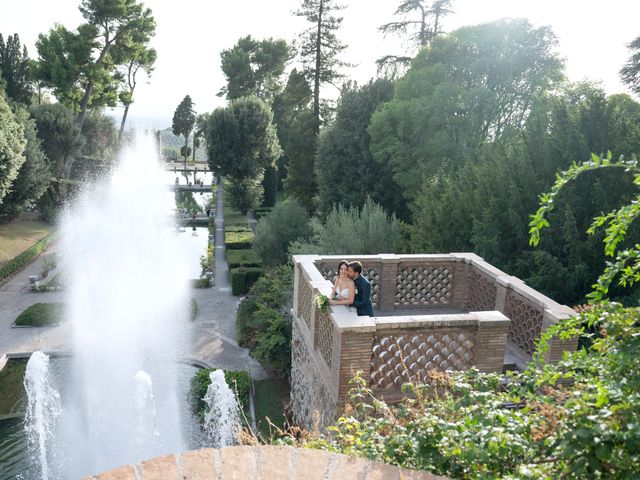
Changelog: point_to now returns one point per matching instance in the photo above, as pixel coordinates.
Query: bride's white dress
(342, 294)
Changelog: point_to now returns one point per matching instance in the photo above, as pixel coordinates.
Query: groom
(362, 299)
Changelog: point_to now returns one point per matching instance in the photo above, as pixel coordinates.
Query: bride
(344, 289)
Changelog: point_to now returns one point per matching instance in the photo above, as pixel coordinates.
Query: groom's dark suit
(362, 299)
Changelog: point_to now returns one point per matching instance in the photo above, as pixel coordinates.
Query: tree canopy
(254, 67)
(630, 72)
(184, 119)
(12, 144)
(467, 88)
(14, 69)
(320, 47)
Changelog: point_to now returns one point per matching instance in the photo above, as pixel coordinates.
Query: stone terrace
(441, 312)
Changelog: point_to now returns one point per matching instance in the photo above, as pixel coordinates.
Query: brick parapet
(261, 463)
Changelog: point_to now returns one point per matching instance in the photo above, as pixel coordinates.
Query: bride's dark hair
(342, 262)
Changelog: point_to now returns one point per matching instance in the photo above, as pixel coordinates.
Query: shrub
(263, 320)
(203, 282)
(41, 314)
(287, 222)
(238, 279)
(238, 240)
(350, 231)
(243, 258)
(243, 278)
(25, 257)
(238, 380)
(193, 308)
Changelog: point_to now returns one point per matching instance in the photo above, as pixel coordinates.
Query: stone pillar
(491, 341)
(387, 288)
(557, 347)
(356, 340)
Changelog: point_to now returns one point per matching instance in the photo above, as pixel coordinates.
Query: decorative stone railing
(433, 312)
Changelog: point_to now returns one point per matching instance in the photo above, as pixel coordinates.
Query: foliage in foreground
(475, 425)
(41, 314)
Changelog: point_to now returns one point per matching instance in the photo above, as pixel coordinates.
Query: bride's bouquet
(321, 302)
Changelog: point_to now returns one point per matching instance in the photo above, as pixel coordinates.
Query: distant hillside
(171, 145)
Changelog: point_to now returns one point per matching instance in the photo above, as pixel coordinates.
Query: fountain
(222, 421)
(43, 410)
(127, 291)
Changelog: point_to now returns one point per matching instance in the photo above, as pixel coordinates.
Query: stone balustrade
(433, 312)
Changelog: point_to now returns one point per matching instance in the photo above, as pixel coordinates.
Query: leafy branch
(626, 265)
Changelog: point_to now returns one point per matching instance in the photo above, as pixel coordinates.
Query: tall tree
(320, 47)
(630, 73)
(63, 57)
(34, 175)
(12, 145)
(420, 21)
(241, 143)
(132, 59)
(115, 22)
(61, 138)
(344, 154)
(254, 67)
(184, 118)
(467, 88)
(14, 69)
(287, 106)
(302, 180)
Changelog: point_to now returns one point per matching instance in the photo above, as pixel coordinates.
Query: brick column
(557, 347)
(387, 289)
(491, 341)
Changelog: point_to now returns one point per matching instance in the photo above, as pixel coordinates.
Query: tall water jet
(127, 287)
(222, 421)
(43, 409)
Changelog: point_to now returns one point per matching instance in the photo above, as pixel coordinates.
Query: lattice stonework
(399, 359)
(372, 272)
(306, 301)
(423, 285)
(323, 336)
(482, 294)
(526, 323)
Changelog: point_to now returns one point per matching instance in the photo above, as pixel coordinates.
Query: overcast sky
(191, 33)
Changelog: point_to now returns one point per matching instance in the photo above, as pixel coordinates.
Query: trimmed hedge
(240, 240)
(243, 278)
(25, 257)
(243, 258)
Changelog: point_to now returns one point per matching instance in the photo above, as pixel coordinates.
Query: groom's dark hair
(356, 267)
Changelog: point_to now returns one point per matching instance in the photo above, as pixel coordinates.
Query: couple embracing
(351, 288)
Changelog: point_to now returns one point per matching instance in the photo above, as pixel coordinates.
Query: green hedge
(243, 258)
(243, 278)
(25, 257)
(241, 240)
(238, 380)
(237, 228)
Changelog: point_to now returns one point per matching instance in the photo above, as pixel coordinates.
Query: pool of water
(16, 456)
(194, 243)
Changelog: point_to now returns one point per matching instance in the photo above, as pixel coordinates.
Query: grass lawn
(271, 396)
(12, 392)
(234, 217)
(41, 314)
(19, 234)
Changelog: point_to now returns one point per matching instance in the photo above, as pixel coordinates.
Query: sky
(190, 34)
